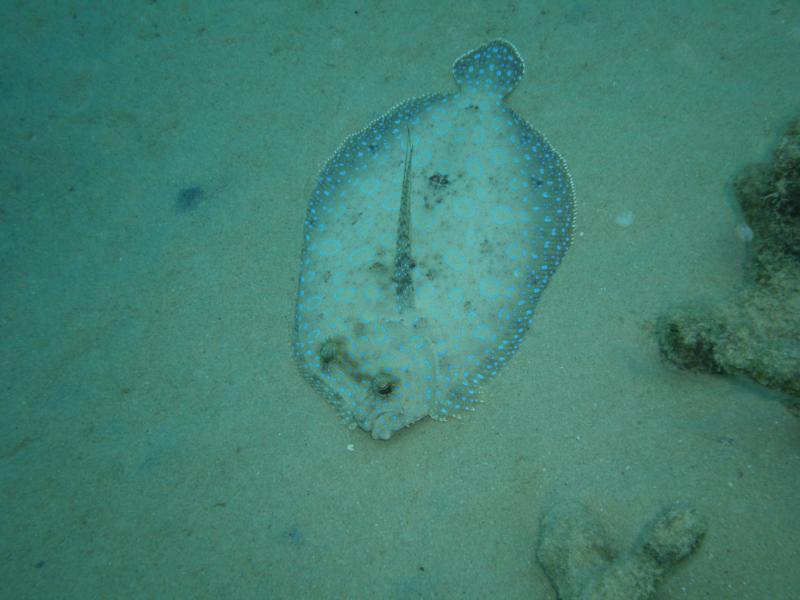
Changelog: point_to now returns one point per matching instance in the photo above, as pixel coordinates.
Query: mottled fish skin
(429, 238)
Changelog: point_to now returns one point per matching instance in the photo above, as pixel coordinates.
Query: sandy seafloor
(156, 439)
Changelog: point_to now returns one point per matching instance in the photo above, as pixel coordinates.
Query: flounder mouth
(384, 424)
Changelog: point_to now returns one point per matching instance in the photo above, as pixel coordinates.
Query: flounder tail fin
(494, 68)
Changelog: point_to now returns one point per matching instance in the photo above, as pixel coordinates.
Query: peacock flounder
(429, 238)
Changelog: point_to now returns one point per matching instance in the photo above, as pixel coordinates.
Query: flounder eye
(383, 384)
(327, 352)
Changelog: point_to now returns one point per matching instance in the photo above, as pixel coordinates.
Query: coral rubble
(582, 563)
(755, 333)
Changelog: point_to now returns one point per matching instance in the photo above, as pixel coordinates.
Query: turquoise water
(156, 438)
